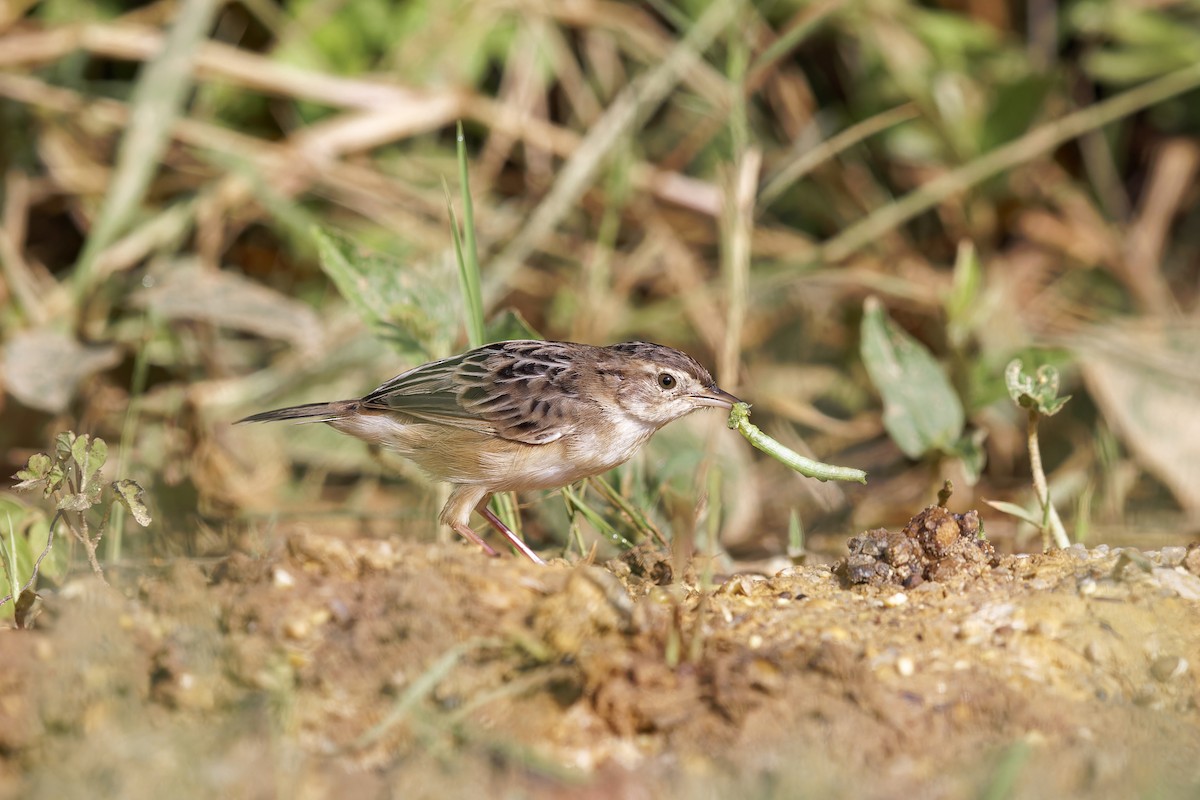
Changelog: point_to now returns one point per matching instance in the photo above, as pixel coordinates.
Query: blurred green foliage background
(732, 178)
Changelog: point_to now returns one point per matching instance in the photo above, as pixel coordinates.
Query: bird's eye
(666, 380)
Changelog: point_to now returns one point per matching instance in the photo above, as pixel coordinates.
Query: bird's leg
(457, 514)
(487, 514)
(465, 531)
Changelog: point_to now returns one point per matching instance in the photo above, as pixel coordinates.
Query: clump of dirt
(314, 664)
(935, 545)
(645, 564)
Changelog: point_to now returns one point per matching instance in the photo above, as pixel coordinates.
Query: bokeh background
(735, 179)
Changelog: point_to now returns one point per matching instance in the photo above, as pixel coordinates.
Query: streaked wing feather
(525, 391)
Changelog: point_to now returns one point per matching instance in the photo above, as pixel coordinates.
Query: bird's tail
(311, 412)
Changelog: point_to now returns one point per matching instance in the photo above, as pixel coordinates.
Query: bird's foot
(465, 531)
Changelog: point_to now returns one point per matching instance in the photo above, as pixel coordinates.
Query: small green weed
(70, 477)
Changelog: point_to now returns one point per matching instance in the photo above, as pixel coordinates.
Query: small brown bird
(520, 415)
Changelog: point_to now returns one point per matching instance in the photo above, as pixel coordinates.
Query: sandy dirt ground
(314, 665)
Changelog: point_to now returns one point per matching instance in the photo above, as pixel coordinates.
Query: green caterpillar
(739, 419)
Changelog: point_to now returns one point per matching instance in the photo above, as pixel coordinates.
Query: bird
(520, 415)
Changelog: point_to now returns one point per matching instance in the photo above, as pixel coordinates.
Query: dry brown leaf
(1147, 381)
(231, 301)
(43, 367)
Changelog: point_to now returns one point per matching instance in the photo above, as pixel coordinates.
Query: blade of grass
(466, 255)
(1038, 141)
(504, 505)
(460, 259)
(419, 688)
(805, 21)
(795, 546)
(632, 513)
(467, 251)
(636, 101)
(1007, 771)
(113, 539)
(591, 515)
(803, 163)
(158, 98)
(737, 220)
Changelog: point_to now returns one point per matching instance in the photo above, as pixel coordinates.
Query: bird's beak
(715, 396)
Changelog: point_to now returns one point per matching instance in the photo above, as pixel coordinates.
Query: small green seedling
(71, 478)
(1038, 395)
(739, 419)
(1037, 392)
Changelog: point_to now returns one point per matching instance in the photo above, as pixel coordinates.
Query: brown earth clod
(935, 545)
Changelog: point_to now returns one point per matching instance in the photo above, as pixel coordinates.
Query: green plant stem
(1051, 523)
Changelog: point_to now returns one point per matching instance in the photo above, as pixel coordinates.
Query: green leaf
(1014, 109)
(64, 444)
(36, 472)
(98, 454)
(1038, 391)
(14, 549)
(921, 412)
(79, 453)
(345, 268)
(1012, 509)
(130, 495)
(12, 509)
(54, 480)
(93, 488)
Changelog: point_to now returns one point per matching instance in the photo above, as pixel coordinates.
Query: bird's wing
(525, 391)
